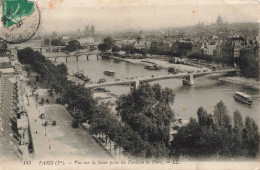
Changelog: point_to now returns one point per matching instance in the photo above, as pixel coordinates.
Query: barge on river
(244, 98)
(173, 70)
(152, 67)
(109, 73)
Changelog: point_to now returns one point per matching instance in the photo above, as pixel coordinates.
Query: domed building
(219, 20)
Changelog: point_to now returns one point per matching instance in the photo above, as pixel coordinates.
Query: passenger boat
(244, 98)
(109, 73)
(152, 67)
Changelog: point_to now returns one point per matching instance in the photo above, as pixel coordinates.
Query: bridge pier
(97, 57)
(87, 57)
(55, 59)
(77, 57)
(137, 83)
(134, 85)
(66, 59)
(188, 80)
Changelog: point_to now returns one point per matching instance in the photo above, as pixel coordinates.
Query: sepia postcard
(129, 84)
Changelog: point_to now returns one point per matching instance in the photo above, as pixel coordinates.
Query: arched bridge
(189, 78)
(66, 55)
(56, 52)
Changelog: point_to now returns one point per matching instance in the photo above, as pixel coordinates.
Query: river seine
(207, 92)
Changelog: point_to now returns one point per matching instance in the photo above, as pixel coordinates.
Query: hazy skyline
(119, 15)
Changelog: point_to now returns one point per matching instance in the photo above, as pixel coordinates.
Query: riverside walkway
(128, 81)
(59, 141)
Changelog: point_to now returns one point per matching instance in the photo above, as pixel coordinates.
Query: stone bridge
(72, 54)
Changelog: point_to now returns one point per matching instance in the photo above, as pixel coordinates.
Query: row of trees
(108, 44)
(73, 45)
(248, 63)
(130, 49)
(58, 42)
(54, 77)
(214, 135)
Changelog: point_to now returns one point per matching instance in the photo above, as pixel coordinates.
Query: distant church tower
(79, 31)
(219, 20)
(86, 30)
(92, 29)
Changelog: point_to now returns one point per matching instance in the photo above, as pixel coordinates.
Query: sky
(121, 15)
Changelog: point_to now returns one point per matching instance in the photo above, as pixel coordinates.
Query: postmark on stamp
(20, 19)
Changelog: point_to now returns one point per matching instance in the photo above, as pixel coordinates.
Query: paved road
(67, 141)
(39, 140)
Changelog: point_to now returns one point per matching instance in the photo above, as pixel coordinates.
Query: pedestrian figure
(36, 132)
(35, 120)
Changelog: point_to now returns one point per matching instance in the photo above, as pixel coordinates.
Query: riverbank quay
(161, 63)
(38, 131)
(250, 82)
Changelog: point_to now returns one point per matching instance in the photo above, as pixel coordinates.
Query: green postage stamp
(20, 20)
(14, 11)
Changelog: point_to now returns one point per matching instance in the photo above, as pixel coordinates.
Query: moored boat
(152, 67)
(109, 73)
(244, 98)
